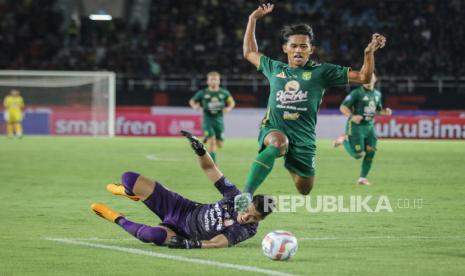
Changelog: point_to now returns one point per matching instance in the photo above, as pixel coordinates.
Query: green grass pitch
(48, 183)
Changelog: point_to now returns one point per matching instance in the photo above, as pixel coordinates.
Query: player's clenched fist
(377, 41)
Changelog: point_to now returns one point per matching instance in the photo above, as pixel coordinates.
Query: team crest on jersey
(307, 75)
(365, 98)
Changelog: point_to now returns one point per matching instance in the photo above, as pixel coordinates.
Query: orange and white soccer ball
(279, 245)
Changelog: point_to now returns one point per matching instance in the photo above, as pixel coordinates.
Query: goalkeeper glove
(242, 201)
(182, 243)
(196, 145)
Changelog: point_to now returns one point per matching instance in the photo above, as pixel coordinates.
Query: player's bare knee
(304, 185)
(279, 141)
(144, 187)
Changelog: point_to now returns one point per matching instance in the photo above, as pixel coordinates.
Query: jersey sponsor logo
(291, 116)
(281, 75)
(307, 75)
(365, 98)
(370, 110)
(215, 105)
(207, 96)
(215, 218)
(291, 93)
(292, 85)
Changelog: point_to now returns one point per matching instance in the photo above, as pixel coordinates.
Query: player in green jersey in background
(214, 101)
(360, 140)
(296, 91)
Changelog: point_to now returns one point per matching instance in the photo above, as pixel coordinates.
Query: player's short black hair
(296, 29)
(263, 204)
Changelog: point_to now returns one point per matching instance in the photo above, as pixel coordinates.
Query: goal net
(68, 102)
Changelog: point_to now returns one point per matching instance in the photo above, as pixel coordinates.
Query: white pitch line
(153, 157)
(417, 238)
(173, 257)
(98, 239)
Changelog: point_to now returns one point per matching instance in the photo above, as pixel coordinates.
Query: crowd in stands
(425, 37)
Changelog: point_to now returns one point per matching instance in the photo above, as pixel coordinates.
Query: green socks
(366, 163)
(260, 168)
(213, 155)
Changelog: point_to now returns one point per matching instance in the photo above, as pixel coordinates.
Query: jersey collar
(310, 63)
(366, 90)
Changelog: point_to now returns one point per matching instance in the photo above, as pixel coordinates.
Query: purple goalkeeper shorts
(170, 207)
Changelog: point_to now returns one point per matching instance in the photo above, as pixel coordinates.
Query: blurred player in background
(187, 224)
(360, 139)
(296, 91)
(14, 106)
(214, 101)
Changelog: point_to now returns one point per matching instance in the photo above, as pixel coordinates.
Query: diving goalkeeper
(187, 224)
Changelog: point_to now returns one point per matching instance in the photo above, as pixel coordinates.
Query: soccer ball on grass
(279, 245)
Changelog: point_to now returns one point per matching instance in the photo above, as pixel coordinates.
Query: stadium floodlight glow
(101, 17)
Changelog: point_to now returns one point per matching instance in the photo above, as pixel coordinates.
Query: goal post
(79, 102)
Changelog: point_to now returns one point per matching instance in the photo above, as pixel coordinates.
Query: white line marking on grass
(417, 238)
(97, 239)
(153, 157)
(172, 257)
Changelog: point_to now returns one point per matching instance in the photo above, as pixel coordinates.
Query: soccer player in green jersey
(296, 91)
(360, 107)
(214, 101)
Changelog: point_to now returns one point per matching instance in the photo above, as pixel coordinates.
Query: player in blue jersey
(187, 224)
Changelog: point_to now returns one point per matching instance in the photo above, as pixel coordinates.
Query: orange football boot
(105, 212)
(118, 189)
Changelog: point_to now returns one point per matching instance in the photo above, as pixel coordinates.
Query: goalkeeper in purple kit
(184, 223)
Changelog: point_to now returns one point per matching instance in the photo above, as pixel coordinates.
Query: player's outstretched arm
(205, 160)
(364, 75)
(177, 242)
(250, 47)
(387, 111)
(348, 113)
(195, 105)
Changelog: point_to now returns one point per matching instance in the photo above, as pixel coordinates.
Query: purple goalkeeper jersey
(209, 220)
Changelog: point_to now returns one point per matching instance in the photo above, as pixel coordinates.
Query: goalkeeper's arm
(205, 160)
(218, 241)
